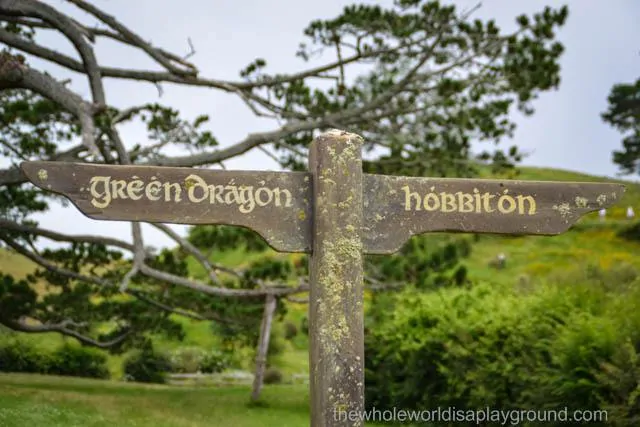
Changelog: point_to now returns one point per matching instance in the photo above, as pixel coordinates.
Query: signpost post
(334, 212)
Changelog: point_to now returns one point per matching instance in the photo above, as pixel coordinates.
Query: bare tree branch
(139, 294)
(158, 275)
(43, 262)
(14, 175)
(14, 74)
(92, 33)
(195, 316)
(132, 37)
(65, 25)
(159, 76)
(63, 328)
(60, 237)
(224, 292)
(199, 256)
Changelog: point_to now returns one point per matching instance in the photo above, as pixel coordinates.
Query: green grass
(27, 400)
(536, 258)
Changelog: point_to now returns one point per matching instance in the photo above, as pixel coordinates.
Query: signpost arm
(336, 274)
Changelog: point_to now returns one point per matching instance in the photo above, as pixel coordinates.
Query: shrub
(147, 366)
(290, 331)
(187, 360)
(21, 357)
(272, 376)
(213, 362)
(630, 232)
(488, 346)
(68, 360)
(454, 348)
(621, 380)
(460, 275)
(76, 361)
(304, 325)
(277, 344)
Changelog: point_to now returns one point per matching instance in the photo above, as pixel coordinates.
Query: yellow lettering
(532, 204)
(258, 196)
(167, 192)
(232, 195)
(101, 199)
(104, 190)
(408, 196)
(448, 202)
(427, 205)
(152, 190)
(215, 194)
(486, 197)
(247, 200)
(510, 200)
(478, 198)
(465, 202)
(134, 188)
(472, 202)
(286, 192)
(118, 189)
(194, 182)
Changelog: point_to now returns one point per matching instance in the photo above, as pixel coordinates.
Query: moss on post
(336, 301)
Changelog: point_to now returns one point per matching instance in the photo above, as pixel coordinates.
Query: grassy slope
(51, 401)
(590, 241)
(27, 400)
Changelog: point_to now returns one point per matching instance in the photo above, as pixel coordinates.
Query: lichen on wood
(336, 315)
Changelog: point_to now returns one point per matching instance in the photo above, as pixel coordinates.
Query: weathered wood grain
(461, 205)
(397, 208)
(274, 204)
(336, 331)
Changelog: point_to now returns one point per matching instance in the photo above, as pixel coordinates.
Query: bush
(21, 357)
(147, 366)
(76, 361)
(630, 232)
(69, 360)
(272, 376)
(487, 346)
(213, 362)
(621, 378)
(187, 360)
(451, 347)
(290, 331)
(277, 344)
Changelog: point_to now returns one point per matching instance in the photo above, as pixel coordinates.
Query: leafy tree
(436, 80)
(624, 115)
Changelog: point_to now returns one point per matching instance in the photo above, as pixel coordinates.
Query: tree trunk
(263, 345)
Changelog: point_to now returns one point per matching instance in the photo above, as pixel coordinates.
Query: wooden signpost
(334, 212)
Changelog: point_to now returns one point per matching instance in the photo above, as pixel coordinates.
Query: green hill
(590, 241)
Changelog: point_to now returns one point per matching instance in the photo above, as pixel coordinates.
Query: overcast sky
(602, 41)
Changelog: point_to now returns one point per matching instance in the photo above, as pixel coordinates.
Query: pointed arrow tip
(36, 172)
